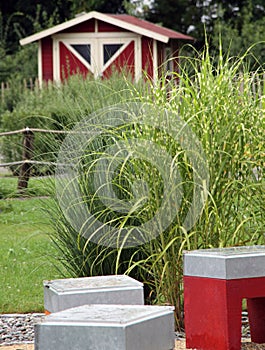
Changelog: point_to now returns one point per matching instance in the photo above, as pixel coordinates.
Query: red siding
(147, 56)
(85, 27)
(46, 57)
(124, 60)
(70, 64)
(106, 27)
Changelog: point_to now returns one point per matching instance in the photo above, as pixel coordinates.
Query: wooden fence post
(2, 92)
(26, 155)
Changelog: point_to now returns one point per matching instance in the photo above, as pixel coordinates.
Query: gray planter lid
(101, 283)
(108, 314)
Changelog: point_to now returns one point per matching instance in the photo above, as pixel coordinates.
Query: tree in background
(138, 8)
(105, 6)
(239, 23)
(193, 15)
(21, 18)
(244, 29)
(17, 20)
(178, 15)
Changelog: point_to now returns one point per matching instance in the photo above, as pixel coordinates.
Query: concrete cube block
(107, 327)
(115, 289)
(226, 263)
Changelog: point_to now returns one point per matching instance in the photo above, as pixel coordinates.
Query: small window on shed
(84, 51)
(109, 50)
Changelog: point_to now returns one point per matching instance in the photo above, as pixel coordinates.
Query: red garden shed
(96, 43)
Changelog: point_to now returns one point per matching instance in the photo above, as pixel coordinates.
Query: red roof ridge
(151, 26)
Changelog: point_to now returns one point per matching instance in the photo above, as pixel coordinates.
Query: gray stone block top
(226, 263)
(108, 314)
(230, 251)
(93, 283)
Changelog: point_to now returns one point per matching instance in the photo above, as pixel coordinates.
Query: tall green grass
(217, 102)
(27, 256)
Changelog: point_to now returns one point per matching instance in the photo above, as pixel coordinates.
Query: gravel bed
(18, 328)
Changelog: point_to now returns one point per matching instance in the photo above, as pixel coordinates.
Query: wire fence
(27, 153)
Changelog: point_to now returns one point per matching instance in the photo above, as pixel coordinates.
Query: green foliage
(228, 119)
(82, 258)
(241, 23)
(16, 62)
(14, 92)
(138, 8)
(241, 35)
(183, 16)
(58, 108)
(9, 24)
(41, 186)
(20, 19)
(24, 62)
(110, 6)
(215, 97)
(26, 255)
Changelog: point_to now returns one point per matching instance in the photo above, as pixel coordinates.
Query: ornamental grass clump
(209, 104)
(217, 102)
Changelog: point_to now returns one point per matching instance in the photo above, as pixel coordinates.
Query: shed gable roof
(128, 22)
(154, 28)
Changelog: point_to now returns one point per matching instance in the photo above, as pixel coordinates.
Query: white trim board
(98, 16)
(98, 35)
(155, 61)
(40, 72)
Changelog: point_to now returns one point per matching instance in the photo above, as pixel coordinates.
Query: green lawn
(39, 186)
(26, 253)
